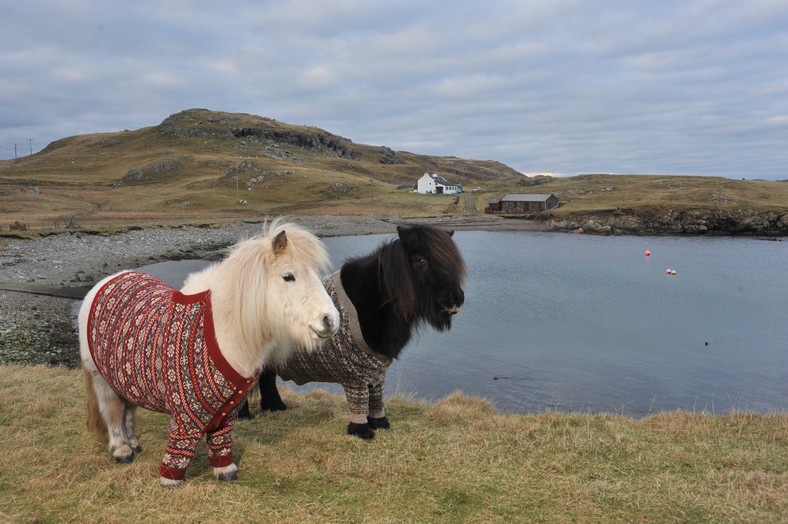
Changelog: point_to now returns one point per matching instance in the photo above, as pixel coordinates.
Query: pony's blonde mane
(249, 263)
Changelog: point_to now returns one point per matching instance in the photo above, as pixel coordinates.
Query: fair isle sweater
(345, 359)
(156, 347)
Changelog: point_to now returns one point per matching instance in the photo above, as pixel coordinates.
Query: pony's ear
(280, 243)
(451, 233)
(405, 233)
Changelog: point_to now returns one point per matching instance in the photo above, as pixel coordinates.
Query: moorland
(201, 166)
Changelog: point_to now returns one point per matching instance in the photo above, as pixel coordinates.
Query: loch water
(576, 323)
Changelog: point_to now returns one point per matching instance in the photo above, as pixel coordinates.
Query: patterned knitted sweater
(345, 359)
(156, 347)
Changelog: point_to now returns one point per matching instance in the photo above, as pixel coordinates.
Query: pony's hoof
(227, 473)
(378, 423)
(123, 454)
(243, 413)
(170, 483)
(360, 430)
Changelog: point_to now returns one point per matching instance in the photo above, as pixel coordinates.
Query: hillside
(201, 166)
(198, 165)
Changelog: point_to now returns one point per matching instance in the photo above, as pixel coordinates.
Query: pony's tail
(95, 422)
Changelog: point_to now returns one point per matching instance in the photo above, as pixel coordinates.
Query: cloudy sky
(561, 86)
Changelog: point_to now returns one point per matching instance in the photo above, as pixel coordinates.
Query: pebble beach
(37, 322)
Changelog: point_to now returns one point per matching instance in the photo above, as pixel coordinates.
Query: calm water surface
(578, 323)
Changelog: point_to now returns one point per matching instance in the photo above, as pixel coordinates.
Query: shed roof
(523, 197)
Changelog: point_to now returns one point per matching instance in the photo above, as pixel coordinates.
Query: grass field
(455, 461)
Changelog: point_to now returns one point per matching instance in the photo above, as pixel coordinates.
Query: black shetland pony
(415, 279)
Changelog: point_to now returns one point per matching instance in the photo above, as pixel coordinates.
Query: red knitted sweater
(156, 347)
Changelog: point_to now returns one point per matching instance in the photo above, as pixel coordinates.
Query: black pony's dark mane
(396, 283)
(382, 288)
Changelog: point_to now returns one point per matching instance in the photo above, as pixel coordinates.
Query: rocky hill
(201, 166)
(201, 163)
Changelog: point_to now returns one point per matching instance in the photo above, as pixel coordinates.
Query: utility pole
(15, 157)
(31, 145)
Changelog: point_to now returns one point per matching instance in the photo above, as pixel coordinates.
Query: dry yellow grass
(455, 461)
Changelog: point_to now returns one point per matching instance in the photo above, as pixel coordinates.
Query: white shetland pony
(196, 353)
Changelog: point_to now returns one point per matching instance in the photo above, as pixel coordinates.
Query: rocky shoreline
(37, 320)
(40, 279)
(677, 222)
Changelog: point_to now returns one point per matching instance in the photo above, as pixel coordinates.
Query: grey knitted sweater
(345, 359)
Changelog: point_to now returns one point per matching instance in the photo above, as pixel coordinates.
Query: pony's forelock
(302, 245)
(445, 252)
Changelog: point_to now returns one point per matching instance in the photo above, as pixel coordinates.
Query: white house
(437, 185)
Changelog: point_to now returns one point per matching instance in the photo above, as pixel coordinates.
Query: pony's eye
(288, 277)
(422, 262)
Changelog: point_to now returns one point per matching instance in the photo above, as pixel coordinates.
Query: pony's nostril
(328, 323)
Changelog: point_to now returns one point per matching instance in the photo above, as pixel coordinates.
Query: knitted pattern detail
(156, 347)
(345, 358)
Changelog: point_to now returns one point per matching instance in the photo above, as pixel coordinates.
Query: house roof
(523, 197)
(440, 180)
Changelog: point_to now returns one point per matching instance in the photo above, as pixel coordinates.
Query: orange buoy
(648, 253)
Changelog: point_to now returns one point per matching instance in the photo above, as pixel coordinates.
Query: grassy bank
(456, 460)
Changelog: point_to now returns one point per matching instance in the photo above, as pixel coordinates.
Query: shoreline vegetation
(456, 460)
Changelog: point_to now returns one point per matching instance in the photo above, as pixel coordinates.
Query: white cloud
(563, 86)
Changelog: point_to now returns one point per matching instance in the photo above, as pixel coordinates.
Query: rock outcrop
(677, 222)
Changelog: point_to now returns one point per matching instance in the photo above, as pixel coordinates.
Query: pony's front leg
(177, 455)
(220, 452)
(377, 414)
(358, 401)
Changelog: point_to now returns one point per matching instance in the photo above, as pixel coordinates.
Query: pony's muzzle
(453, 310)
(456, 299)
(329, 328)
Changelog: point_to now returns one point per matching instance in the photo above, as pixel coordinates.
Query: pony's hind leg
(128, 421)
(118, 417)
